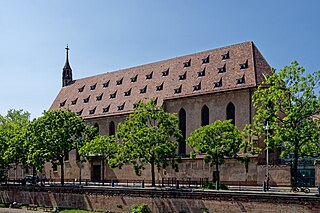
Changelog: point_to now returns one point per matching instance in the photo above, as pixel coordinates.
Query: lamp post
(266, 127)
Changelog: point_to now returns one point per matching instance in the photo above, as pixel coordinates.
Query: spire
(67, 71)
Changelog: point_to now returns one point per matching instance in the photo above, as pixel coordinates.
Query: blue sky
(104, 36)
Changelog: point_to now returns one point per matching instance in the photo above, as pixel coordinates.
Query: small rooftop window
(218, 83)
(155, 101)
(86, 100)
(74, 102)
(93, 87)
(160, 87)
(121, 107)
(106, 84)
(222, 69)
(187, 64)
(127, 93)
(81, 89)
(183, 76)
(205, 60)
(202, 73)
(241, 80)
(225, 56)
(178, 90)
(165, 73)
(197, 87)
(149, 76)
(63, 103)
(99, 97)
(134, 79)
(79, 112)
(244, 65)
(92, 111)
(113, 95)
(143, 90)
(119, 82)
(135, 105)
(106, 109)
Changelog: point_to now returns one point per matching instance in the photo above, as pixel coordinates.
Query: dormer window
(134, 79)
(121, 107)
(149, 76)
(240, 80)
(106, 84)
(183, 77)
(93, 87)
(119, 82)
(205, 60)
(99, 97)
(86, 100)
(165, 73)
(79, 112)
(81, 89)
(197, 87)
(222, 69)
(155, 101)
(106, 109)
(113, 95)
(160, 87)
(92, 111)
(244, 65)
(74, 102)
(225, 56)
(135, 105)
(143, 90)
(202, 73)
(218, 83)
(127, 93)
(63, 103)
(187, 64)
(178, 90)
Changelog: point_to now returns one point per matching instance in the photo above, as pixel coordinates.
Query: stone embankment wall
(121, 200)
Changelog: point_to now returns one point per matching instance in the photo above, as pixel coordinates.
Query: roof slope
(227, 68)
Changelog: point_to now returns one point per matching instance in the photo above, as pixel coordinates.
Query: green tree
(216, 141)
(104, 146)
(53, 135)
(149, 136)
(287, 100)
(12, 127)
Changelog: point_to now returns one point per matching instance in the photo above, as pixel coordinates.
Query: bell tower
(67, 71)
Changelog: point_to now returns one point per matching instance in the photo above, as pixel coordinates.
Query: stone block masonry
(122, 200)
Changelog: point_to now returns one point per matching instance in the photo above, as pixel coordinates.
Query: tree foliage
(216, 141)
(287, 100)
(149, 136)
(12, 149)
(103, 146)
(53, 135)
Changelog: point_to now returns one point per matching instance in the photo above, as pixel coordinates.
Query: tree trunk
(218, 176)
(103, 171)
(62, 171)
(153, 178)
(295, 168)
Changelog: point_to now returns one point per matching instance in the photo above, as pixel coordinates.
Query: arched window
(231, 112)
(112, 130)
(182, 127)
(204, 116)
(96, 125)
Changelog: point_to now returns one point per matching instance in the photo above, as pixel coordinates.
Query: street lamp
(266, 127)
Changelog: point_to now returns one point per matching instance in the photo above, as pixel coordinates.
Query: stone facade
(122, 200)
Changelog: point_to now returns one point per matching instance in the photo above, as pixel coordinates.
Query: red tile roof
(211, 71)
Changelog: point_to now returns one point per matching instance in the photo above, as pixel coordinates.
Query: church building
(200, 88)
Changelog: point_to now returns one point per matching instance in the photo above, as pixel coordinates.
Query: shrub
(143, 208)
